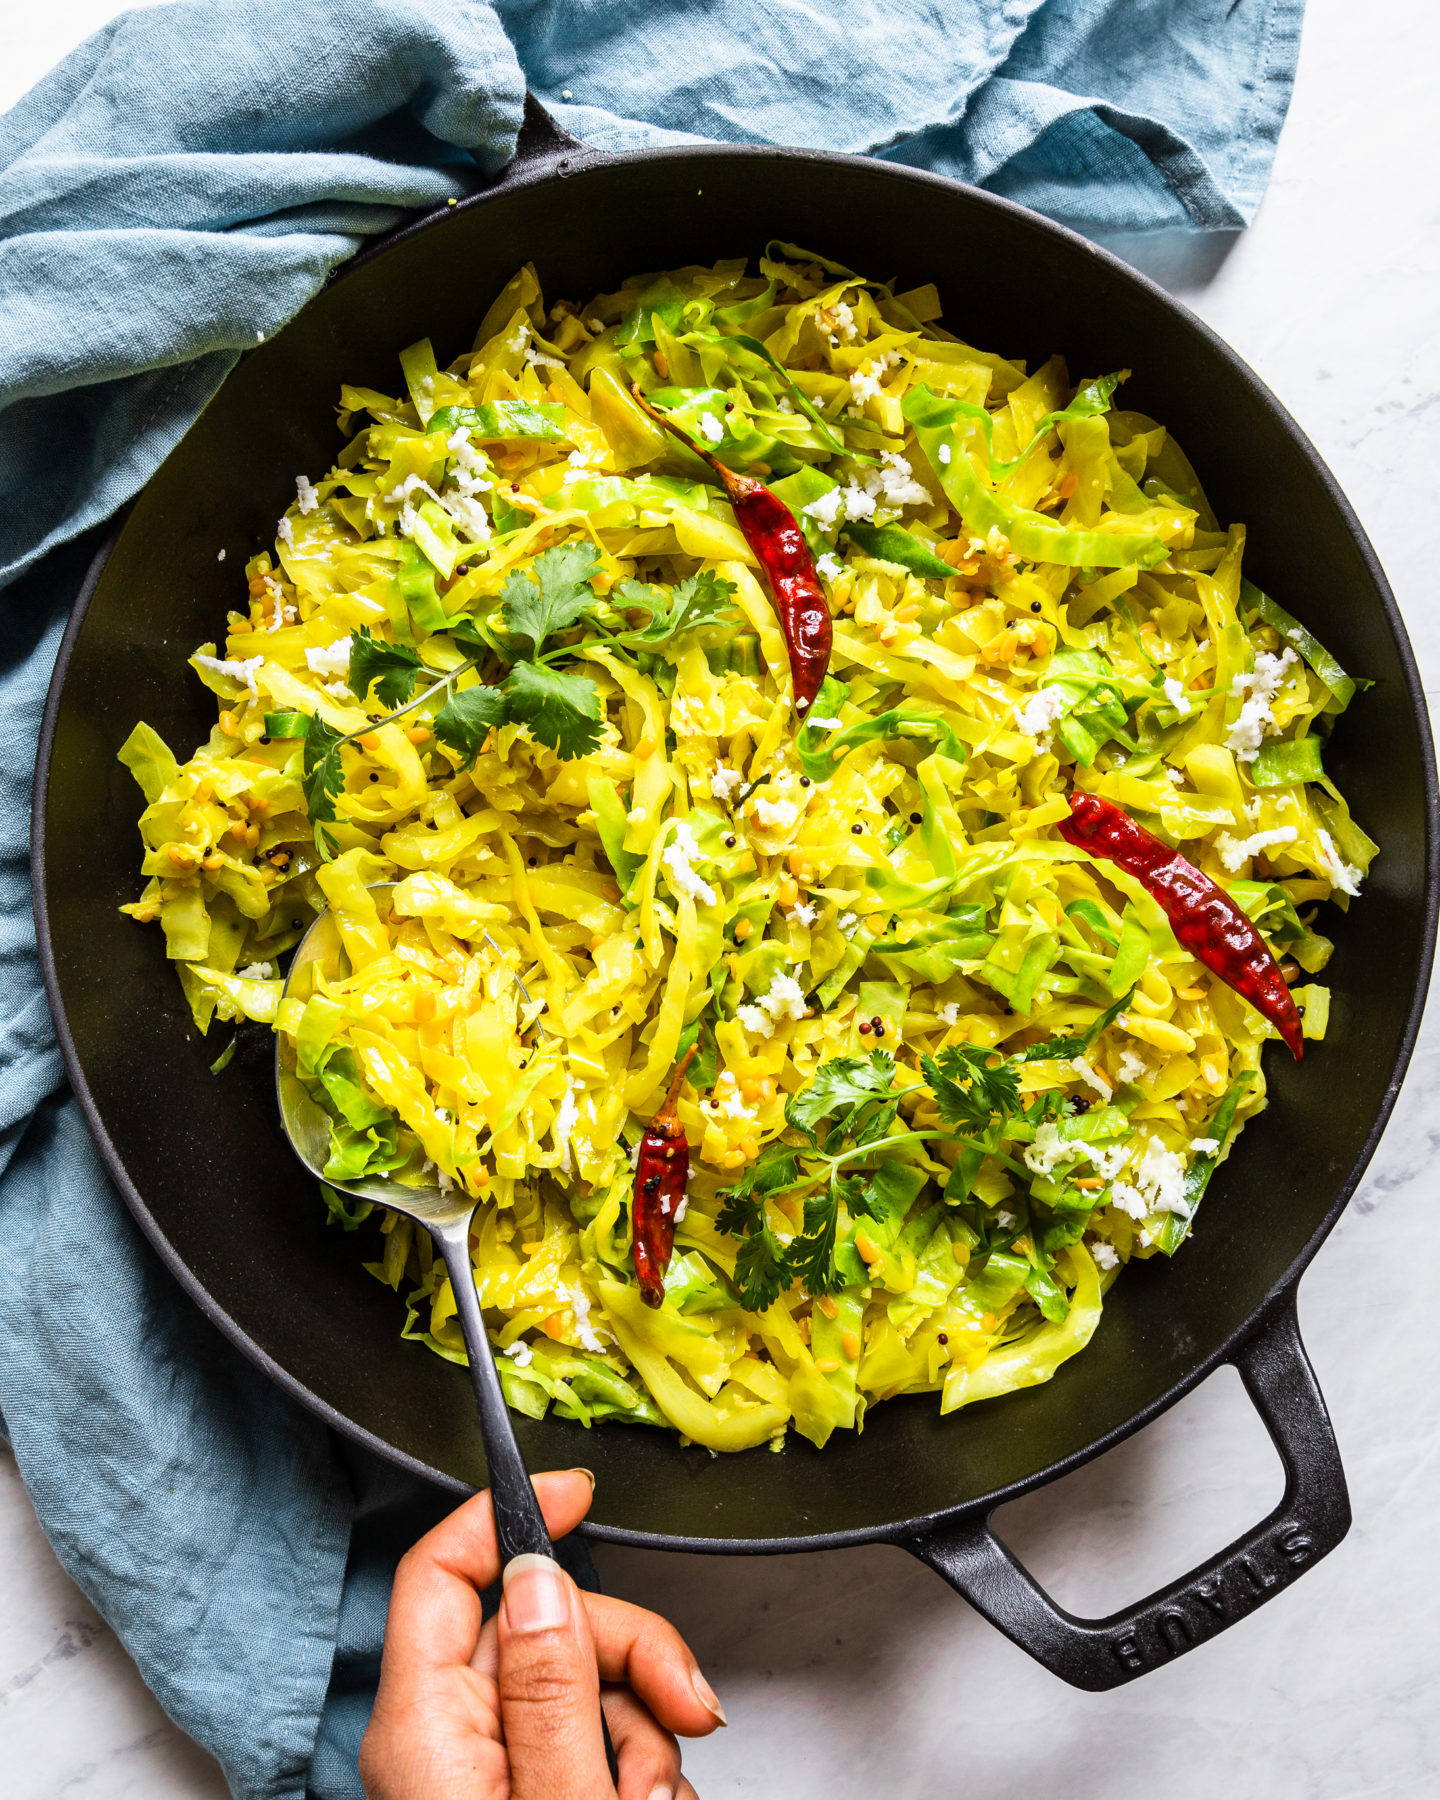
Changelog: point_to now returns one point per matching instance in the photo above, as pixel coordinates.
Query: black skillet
(202, 1163)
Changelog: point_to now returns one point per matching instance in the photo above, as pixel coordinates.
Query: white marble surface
(857, 1674)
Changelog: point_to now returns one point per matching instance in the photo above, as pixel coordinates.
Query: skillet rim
(556, 157)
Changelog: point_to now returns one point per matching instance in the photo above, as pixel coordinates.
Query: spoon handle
(520, 1526)
(519, 1523)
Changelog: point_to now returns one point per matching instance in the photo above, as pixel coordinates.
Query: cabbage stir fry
(947, 1070)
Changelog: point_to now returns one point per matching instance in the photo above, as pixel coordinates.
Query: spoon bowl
(445, 1210)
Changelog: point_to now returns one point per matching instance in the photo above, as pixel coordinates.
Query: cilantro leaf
(553, 594)
(875, 1126)
(644, 596)
(845, 1115)
(391, 669)
(1053, 1047)
(889, 1190)
(856, 1094)
(701, 599)
(563, 711)
(466, 719)
(861, 1193)
(841, 1090)
(322, 780)
(969, 1090)
(761, 1272)
(323, 777)
(1052, 1104)
(777, 1167)
(811, 1258)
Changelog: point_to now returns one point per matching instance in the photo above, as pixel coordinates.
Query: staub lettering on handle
(1208, 1605)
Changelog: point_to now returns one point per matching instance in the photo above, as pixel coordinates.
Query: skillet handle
(1309, 1522)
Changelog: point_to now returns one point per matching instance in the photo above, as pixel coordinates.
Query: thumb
(549, 1687)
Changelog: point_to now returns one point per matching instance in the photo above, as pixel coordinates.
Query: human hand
(510, 1710)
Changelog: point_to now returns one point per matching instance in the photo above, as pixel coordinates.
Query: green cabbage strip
(287, 724)
(798, 491)
(663, 300)
(1287, 764)
(778, 250)
(743, 311)
(1095, 712)
(1174, 1228)
(725, 340)
(1340, 685)
(887, 543)
(893, 544)
(582, 1388)
(820, 760)
(515, 421)
(364, 1135)
(1030, 534)
(1132, 952)
(834, 983)
(1035, 1357)
(150, 760)
(612, 822)
(415, 585)
(936, 952)
(1090, 912)
(1267, 905)
(1091, 401)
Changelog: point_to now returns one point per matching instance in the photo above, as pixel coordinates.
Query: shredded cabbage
(513, 653)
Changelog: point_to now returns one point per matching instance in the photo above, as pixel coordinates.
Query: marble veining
(858, 1674)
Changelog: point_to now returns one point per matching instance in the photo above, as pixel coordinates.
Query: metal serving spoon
(519, 1524)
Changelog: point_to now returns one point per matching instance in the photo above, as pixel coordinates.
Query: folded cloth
(1109, 115)
(178, 188)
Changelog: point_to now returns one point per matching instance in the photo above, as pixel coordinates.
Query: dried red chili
(1206, 921)
(661, 1169)
(779, 544)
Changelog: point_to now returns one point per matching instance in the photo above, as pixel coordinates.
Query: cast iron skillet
(201, 1160)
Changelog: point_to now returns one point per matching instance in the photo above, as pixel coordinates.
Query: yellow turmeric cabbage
(513, 653)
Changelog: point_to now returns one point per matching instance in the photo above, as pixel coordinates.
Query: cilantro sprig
(562, 709)
(703, 599)
(845, 1116)
(1056, 1048)
(323, 773)
(323, 779)
(391, 669)
(556, 593)
(972, 1090)
(977, 1089)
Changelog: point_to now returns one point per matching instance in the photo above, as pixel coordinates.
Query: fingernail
(662, 1793)
(590, 1477)
(706, 1696)
(536, 1596)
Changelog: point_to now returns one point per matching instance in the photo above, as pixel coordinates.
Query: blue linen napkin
(179, 186)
